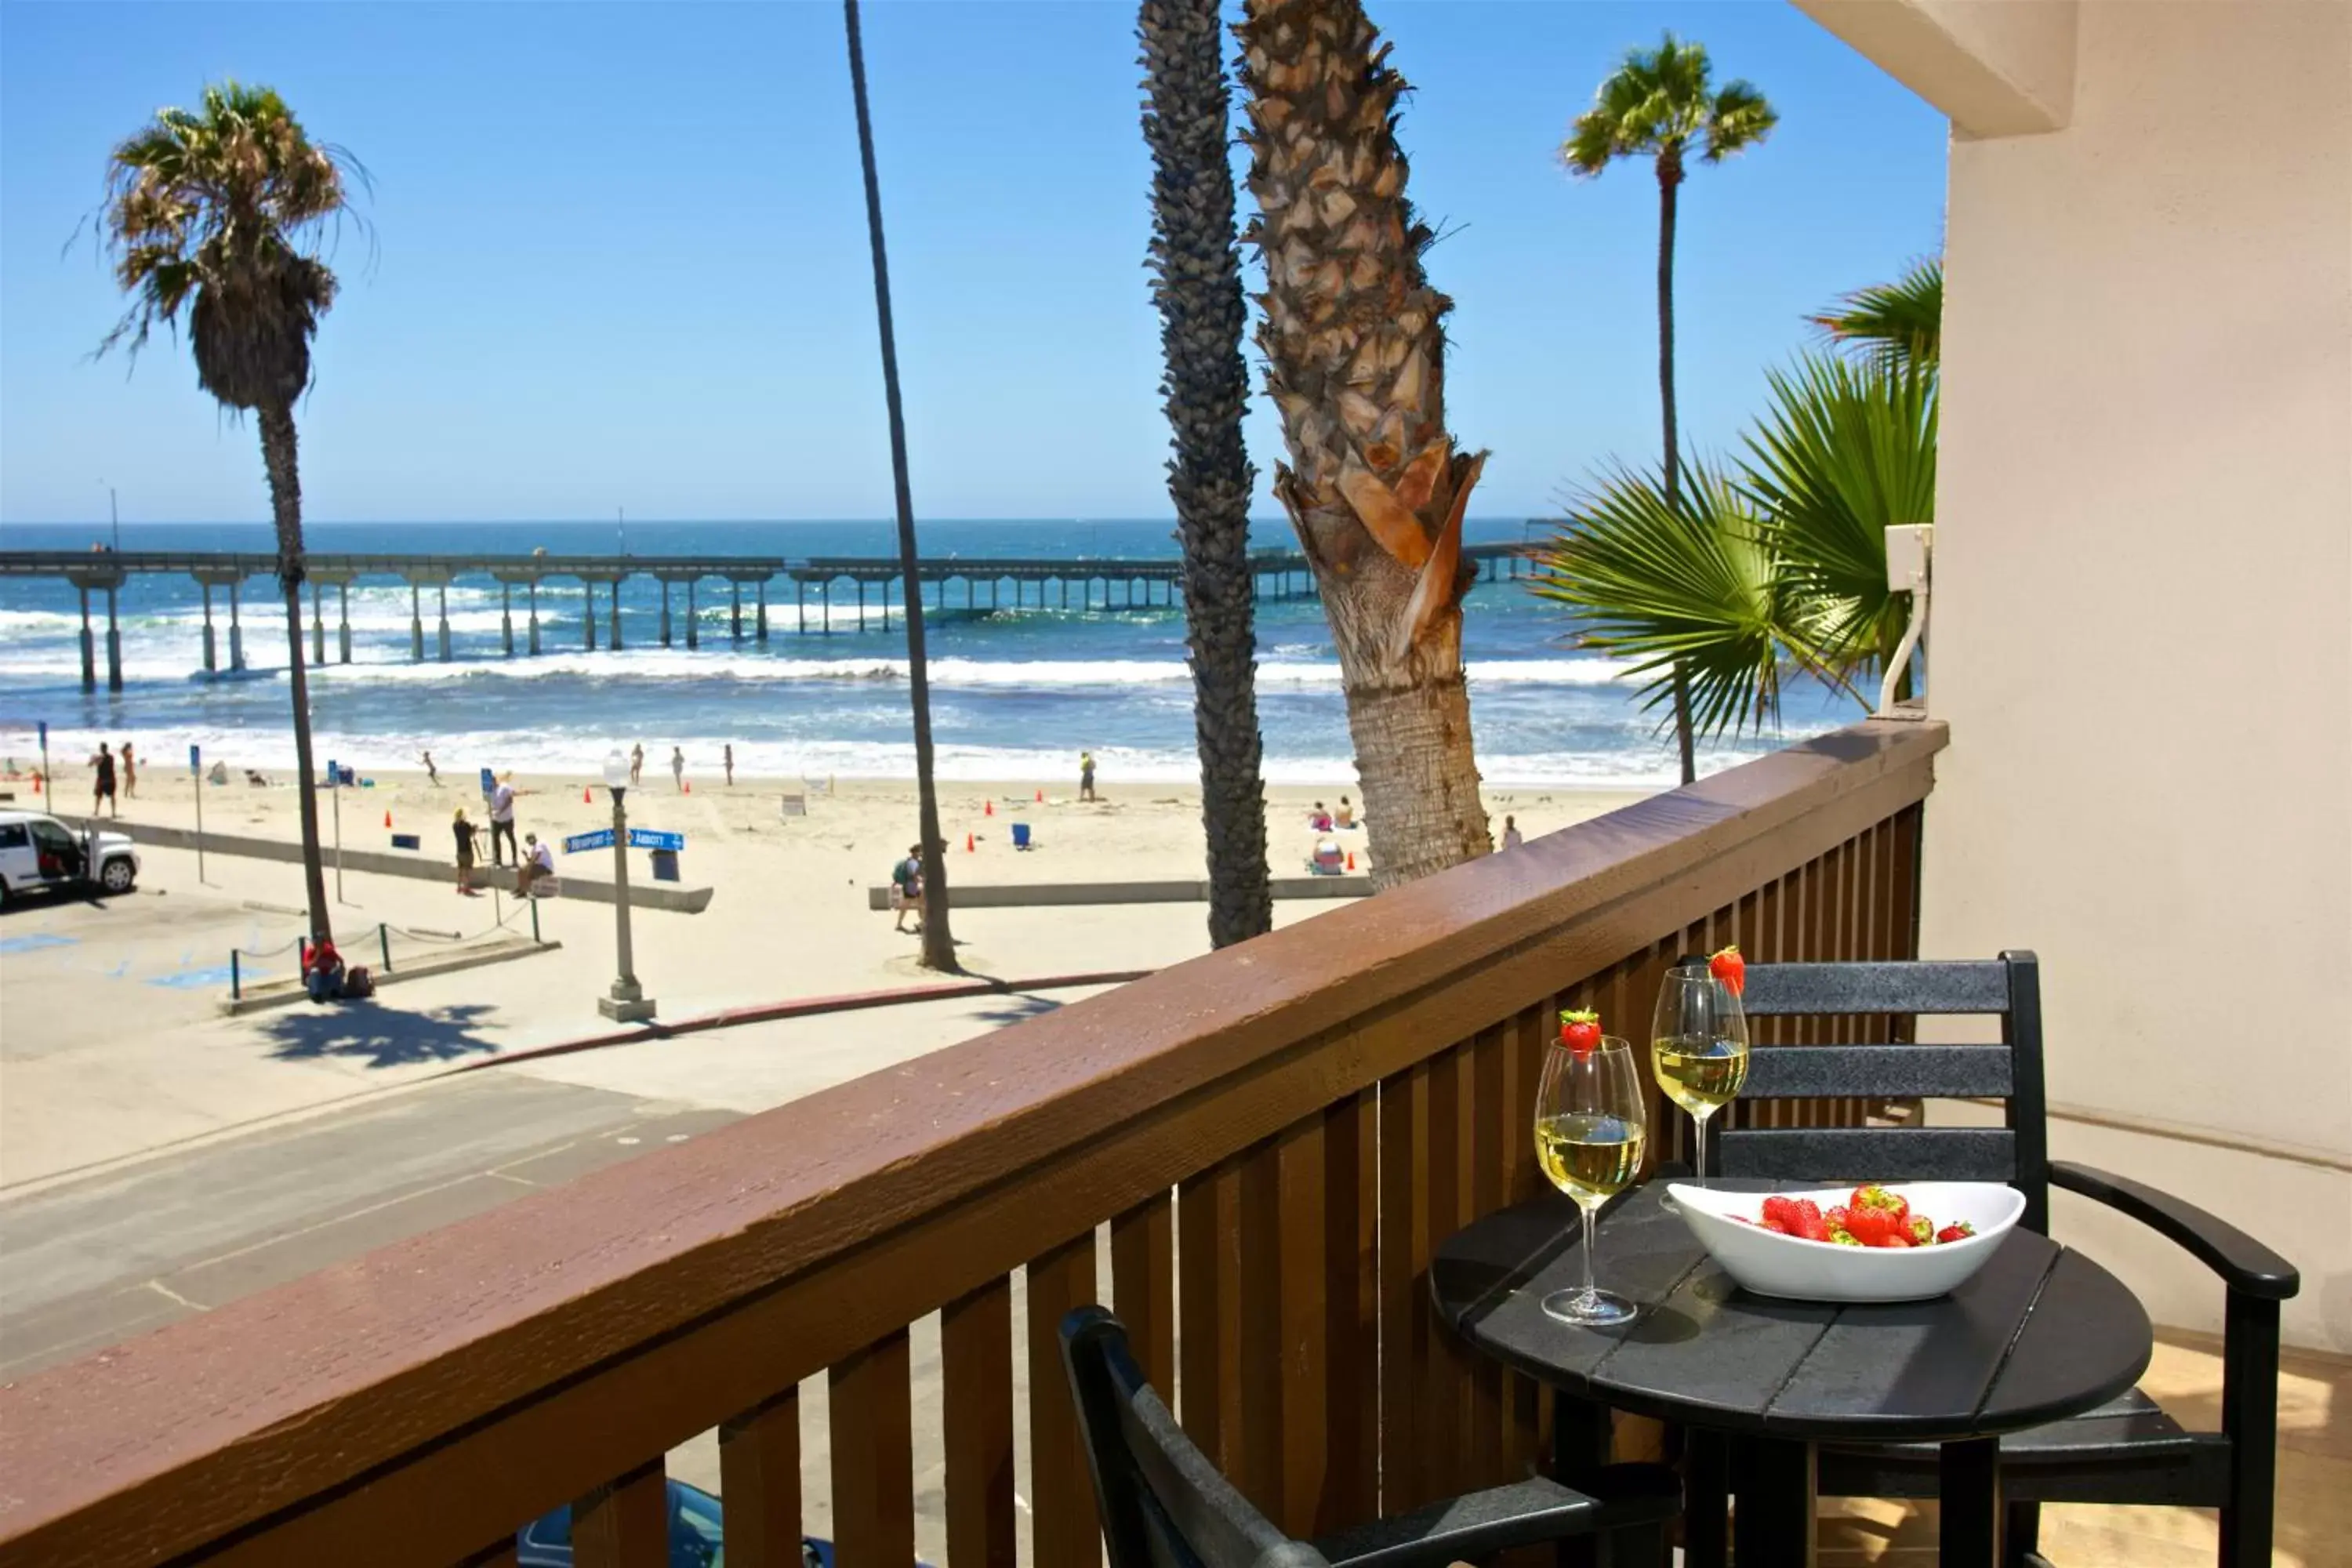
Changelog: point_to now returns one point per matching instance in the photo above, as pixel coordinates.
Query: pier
(973, 583)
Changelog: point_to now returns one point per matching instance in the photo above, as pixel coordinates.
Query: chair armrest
(1477, 1525)
(2243, 1263)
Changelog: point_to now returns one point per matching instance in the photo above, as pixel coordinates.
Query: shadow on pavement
(383, 1037)
(1017, 1007)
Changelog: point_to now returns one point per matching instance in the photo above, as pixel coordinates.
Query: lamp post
(114, 515)
(629, 1004)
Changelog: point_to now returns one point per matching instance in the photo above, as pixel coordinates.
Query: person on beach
(636, 763)
(1511, 836)
(907, 888)
(433, 774)
(502, 800)
(1085, 775)
(678, 767)
(463, 831)
(1319, 819)
(103, 786)
(730, 764)
(538, 864)
(130, 774)
(1346, 817)
(322, 970)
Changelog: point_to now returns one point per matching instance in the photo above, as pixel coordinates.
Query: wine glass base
(1588, 1308)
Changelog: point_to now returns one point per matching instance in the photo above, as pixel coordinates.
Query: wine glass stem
(1699, 1175)
(1586, 1210)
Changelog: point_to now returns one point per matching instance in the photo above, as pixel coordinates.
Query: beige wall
(2143, 612)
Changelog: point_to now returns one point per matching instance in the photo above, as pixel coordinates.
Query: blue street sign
(489, 783)
(652, 838)
(334, 773)
(600, 840)
(195, 759)
(44, 732)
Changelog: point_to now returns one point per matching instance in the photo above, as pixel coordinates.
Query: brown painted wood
(1405, 1317)
(1256, 1440)
(650, 1288)
(976, 1417)
(871, 1414)
(1062, 1530)
(1302, 1372)
(1143, 1285)
(1350, 1330)
(624, 1523)
(1484, 1450)
(1447, 1366)
(1208, 1289)
(760, 1477)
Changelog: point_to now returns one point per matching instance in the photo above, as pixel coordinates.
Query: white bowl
(1771, 1263)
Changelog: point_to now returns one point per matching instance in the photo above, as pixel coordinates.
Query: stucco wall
(2143, 618)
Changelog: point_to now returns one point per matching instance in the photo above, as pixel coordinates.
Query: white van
(37, 851)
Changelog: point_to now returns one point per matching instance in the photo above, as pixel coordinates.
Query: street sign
(45, 734)
(600, 840)
(334, 773)
(653, 838)
(489, 783)
(195, 759)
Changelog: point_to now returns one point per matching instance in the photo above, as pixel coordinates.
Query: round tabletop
(2039, 1333)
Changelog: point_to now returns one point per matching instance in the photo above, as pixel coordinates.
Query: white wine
(1699, 1077)
(1589, 1158)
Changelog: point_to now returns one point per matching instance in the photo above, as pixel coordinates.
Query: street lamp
(629, 1004)
(114, 515)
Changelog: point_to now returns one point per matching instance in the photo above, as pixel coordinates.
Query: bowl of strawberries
(1876, 1242)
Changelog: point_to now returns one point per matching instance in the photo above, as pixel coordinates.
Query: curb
(422, 969)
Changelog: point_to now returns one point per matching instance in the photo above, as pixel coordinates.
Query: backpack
(358, 983)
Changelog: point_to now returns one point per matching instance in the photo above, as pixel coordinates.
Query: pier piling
(443, 586)
(236, 630)
(211, 666)
(533, 593)
(416, 622)
(693, 630)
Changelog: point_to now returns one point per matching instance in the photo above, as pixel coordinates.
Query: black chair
(1164, 1505)
(2128, 1451)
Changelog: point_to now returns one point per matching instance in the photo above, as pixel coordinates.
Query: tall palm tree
(939, 946)
(1354, 341)
(218, 212)
(1197, 282)
(1661, 104)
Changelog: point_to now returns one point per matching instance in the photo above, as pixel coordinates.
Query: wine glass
(1699, 1047)
(1590, 1127)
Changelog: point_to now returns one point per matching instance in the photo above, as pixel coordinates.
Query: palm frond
(1901, 323)
(1737, 117)
(1659, 101)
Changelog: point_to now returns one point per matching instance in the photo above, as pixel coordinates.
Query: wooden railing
(1274, 1137)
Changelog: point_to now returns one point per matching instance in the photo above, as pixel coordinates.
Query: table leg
(1773, 1522)
(1707, 1498)
(1968, 1487)
(1580, 1439)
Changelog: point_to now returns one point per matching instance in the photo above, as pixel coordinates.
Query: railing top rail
(52, 563)
(169, 1442)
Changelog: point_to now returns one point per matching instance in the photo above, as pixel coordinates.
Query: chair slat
(1781, 989)
(1878, 1072)
(1874, 1153)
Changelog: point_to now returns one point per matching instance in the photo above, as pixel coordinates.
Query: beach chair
(793, 806)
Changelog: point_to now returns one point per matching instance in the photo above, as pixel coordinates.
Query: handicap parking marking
(36, 941)
(193, 979)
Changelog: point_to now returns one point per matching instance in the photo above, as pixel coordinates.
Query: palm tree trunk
(938, 945)
(1670, 177)
(1198, 286)
(277, 456)
(1354, 341)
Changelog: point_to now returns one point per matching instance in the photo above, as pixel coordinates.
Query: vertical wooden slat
(624, 1523)
(1351, 1297)
(1209, 1291)
(1488, 1110)
(871, 1414)
(1256, 1439)
(760, 1477)
(1405, 1297)
(976, 1415)
(1143, 1285)
(1448, 1365)
(1302, 1271)
(1522, 1065)
(1065, 1534)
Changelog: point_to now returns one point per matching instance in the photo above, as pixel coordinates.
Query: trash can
(664, 865)
(1021, 835)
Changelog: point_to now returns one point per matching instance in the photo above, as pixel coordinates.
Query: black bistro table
(2039, 1333)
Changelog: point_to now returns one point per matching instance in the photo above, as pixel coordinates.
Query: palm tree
(1661, 105)
(1902, 322)
(1197, 281)
(1354, 341)
(939, 946)
(218, 212)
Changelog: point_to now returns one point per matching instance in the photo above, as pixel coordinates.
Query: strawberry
(1799, 1218)
(1958, 1230)
(1730, 968)
(1841, 1237)
(1923, 1230)
(1871, 1197)
(1891, 1238)
(1877, 1227)
(1580, 1031)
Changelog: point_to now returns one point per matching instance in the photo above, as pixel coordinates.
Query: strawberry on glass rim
(1579, 1030)
(1730, 968)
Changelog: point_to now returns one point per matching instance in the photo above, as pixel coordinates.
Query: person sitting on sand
(1329, 859)
(463, 831)
(322, 970)
(1344, 818)
(1512, 837)
(907, 888)
(538, 865)
(1319, 819)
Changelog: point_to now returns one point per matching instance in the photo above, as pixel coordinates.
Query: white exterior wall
(2143, 613)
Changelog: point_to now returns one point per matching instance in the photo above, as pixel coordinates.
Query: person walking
(907, 888)
(730, 764)
(678, 767)
(503, 802)
(636, 764)
(130, 774)
(103, 786)
(432, 773)
(1085, 775)
(463, 831)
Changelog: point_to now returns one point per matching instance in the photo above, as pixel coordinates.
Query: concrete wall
(2143, 615)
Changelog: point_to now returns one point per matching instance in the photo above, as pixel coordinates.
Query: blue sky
(620, 255)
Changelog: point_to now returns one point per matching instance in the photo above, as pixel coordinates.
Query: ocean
(1015, 694)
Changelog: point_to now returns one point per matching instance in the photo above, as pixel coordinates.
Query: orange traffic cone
(687, 786)
(969, 846)
(1041, 797)
(387, 819)
(1352, 860)
(585, 799)
(987, 808)
(37, 784)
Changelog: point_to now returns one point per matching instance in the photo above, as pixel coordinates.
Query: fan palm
(1197, 282)
(1902, 322)
(1662, 104)
(215, 214)
(1354, 341)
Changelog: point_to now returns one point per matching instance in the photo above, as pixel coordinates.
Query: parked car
(37, 852)
(695, 1540)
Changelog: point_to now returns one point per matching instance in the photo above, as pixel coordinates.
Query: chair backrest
(1162, 1503)
(2008, 987)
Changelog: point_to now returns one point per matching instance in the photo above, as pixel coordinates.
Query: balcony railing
(1274, 1136)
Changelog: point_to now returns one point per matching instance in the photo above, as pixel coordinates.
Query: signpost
(653, 838)
(48, 779)
(335, 782)
(195, 774)
(600, 840)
